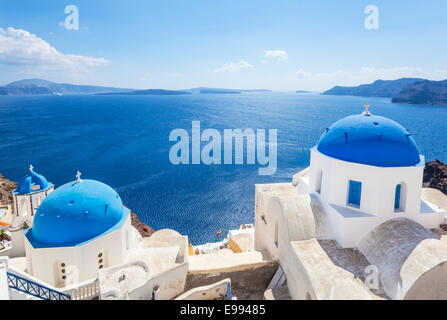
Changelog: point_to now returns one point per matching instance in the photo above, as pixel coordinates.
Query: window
(355, 193)
(397, 197)
(24, 210)
(400, 197)
(276, 233)
(101, 260)
(63, 272)
(319, 181)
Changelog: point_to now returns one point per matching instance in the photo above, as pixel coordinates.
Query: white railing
(88, 290)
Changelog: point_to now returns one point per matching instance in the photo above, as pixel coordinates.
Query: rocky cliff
(379, 88)
(423, 92)
(435, 175)
(40, 86)
(6, 187)
(142, 228)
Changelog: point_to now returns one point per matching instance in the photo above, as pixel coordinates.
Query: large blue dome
(77, 212)
(371, 140)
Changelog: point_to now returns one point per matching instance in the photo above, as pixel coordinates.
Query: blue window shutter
(355, 193)
(397, 197)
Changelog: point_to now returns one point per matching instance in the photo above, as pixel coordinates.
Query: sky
(279, 45)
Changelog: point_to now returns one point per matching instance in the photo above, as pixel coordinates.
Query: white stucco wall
(378, 184)
(4, 288)
(163, 256)
(293, 225)
(81, 262)
(350, 224)
(411, 260)
(25, 207)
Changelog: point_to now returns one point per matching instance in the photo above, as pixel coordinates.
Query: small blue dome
(77, 212)
(32, 182)
(371, 140)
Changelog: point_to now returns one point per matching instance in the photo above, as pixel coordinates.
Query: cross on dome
(31, 168)
(78, 176)
(366, 112)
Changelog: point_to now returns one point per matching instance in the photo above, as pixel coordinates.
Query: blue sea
(123, 141)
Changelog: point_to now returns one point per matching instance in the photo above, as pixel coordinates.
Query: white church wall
(25, 206)
(18, 244)
(80, 263)
(24, 209)
(349, 223)
(378, 184)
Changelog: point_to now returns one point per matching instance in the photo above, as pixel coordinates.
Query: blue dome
(371, 140)
(32, 182)
(76, 213)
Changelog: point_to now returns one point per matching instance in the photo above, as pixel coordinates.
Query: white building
(80, 228)
(29, 194)
(78, 240)
(367, 169)
(358, 208)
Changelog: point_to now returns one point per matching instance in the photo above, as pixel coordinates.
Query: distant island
(379, 88)
(40, 86)
(423, 92)
(24, 90)
(45, 87)
(149, 92)
(219, 91)
(404, 90)
(206, 90)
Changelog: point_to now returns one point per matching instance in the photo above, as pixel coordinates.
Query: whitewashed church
(366, 169)
(77, 242)
(357, 224)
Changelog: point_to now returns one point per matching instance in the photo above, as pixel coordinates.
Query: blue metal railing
(29, 287)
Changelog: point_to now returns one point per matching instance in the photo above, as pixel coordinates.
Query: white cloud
(234, 66)
(301, 74)
(23, 48)
(276, 55)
